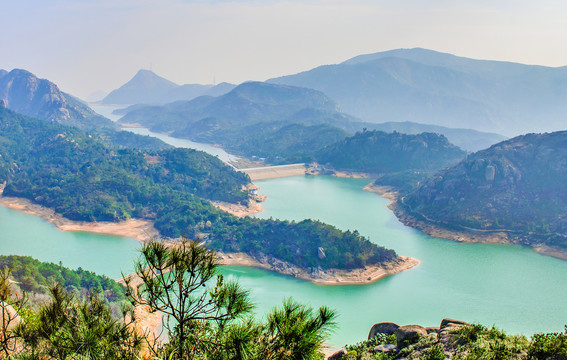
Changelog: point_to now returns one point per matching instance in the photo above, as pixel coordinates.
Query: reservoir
(511, 287)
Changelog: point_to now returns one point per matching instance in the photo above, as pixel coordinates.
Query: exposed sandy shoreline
(138, 229)
(239, 210)
(367, 275)
(455, 235)
(143, 230)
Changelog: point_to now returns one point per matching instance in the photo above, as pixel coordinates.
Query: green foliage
(280, 143)
(516, 186)
(367, 346)
(378, 152)
(404, 182)
(552, 346)
(35, 276)
(67, 328)
(83, 179)
(181, 282)
(202, 310)
(295, 332)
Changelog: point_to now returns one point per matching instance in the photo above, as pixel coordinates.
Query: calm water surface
(106, 110)
(509, 286)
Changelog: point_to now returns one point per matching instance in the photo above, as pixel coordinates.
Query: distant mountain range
(148, 88)
(516, 186)
(425, 86)
(247, 109)
(248, 104)
(23, 92)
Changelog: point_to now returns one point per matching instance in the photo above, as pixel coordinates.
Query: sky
(90, 45)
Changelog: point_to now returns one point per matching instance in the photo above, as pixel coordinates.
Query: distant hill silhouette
(247, 104)
(425, 86)
(148, 88)
(23, 92)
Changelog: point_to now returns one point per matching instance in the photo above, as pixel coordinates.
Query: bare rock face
(387, 328)
(10, 316)
(386, 348)
(446, 327)
(409, 334)
(451, 322)
(24, 93)
(321, 253)
(432, 329)
(337, 355)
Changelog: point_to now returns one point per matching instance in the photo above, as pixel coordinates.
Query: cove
(512, 287)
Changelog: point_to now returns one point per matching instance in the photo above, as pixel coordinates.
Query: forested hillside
(82, 178)
(378, 152)
(517, 186)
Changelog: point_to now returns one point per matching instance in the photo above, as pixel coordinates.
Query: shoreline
(142, 230)
(456, 235)
(137, 229)
(237, 210)
(367, 275)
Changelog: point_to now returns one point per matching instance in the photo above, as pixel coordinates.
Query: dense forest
(82, 178)
(517, 186)
(378, 152)
(34, 276)
(279, 143)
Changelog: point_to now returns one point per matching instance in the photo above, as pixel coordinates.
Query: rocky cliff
(23, 92)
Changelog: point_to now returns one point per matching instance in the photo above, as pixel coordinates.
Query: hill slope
(378, 152)
(145, 87)
(248, 104)
(425, 86)
(24, 93)
(81, 178)
(517, 185)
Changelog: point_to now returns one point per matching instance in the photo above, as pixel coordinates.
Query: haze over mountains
(429, 87)
(23, 92)
(148, 88)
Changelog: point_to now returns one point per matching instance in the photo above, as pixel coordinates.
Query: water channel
(511, 287)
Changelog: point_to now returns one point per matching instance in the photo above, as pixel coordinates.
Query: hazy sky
(89, 45)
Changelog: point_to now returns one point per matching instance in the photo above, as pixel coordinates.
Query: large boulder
(10, 315)
(451, 324)
(338, 355)
(409, 334)
(387, 328)
(432, 329)
(385, 348)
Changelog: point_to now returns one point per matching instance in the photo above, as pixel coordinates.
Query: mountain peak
(145, 87)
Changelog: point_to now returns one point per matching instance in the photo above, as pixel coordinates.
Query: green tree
(295, 332)
(181, 281)
(67, 328)
(9, 317)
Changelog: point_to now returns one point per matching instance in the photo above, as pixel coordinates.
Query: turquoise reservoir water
(509, 286)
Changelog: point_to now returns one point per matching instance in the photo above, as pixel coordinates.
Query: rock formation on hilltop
(516, 187)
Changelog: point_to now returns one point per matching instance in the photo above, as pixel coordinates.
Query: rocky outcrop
(409, 334)
(338, 355)
(24, 93)
(387, 328)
